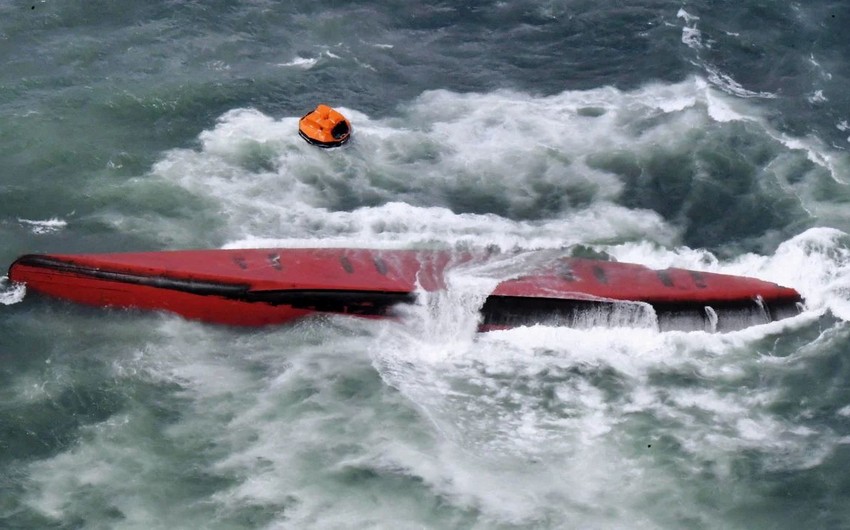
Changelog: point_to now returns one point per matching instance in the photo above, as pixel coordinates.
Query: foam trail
(693, 38)
(301, 62)
(47, 226)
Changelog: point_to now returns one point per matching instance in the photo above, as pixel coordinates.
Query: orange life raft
(324, 127)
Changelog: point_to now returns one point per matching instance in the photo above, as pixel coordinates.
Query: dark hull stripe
(200, 287)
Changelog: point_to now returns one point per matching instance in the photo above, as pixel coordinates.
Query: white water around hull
(11, 293)
(558, 426)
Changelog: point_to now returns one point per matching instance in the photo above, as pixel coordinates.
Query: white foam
(693, 38)
(721, 109)
(295, 186)
(815, 152)
(272, 185)
(301, 62)
(816, 97)
(687, 17)
(11, 293)
(486, 396)
(725, 82)
(816, 263)
(47, 226)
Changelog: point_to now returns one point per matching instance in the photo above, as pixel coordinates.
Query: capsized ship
(255, 287)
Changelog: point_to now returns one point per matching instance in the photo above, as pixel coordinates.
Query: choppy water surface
(696, 135)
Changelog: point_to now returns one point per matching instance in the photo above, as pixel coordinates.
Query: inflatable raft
(324, 127)
(257, 287)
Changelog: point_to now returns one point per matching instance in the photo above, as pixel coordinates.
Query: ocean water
(707, 135)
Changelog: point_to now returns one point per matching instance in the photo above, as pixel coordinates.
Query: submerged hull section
(256, 287)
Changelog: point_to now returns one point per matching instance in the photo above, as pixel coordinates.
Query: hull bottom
(179, 283)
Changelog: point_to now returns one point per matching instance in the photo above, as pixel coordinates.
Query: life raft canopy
(324, 127)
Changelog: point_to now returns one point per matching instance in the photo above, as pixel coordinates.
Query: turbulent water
(706, 135)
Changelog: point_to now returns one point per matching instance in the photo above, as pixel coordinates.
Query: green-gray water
(700, 135)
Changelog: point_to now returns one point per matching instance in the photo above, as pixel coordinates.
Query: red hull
(268, 286)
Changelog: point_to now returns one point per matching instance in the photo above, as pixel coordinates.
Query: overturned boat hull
(254, 287)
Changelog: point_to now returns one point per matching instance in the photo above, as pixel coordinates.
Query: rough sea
(707, 135)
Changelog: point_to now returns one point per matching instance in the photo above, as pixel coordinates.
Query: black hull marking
(665, 278)
(369, 303)
(199, 287)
